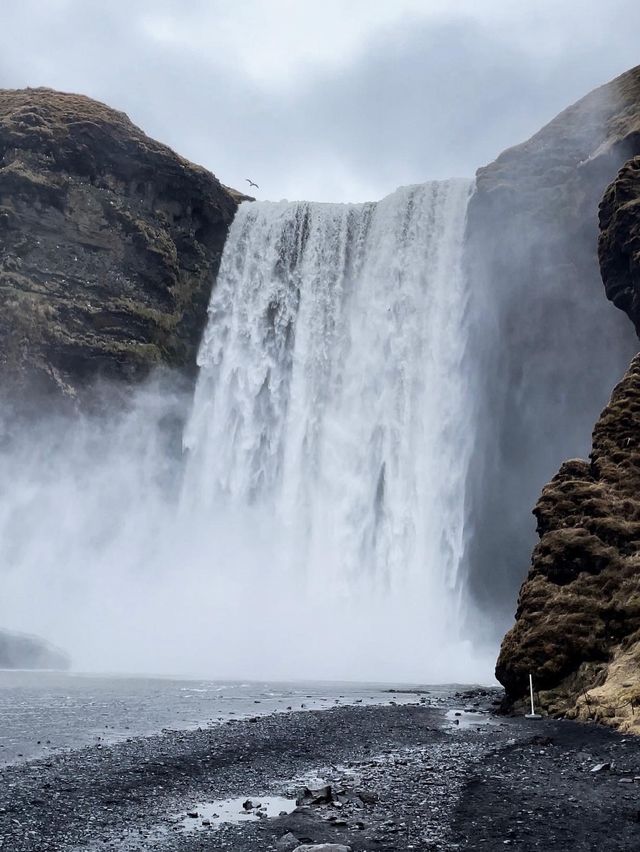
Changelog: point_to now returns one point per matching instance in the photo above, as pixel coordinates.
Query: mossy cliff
(577, 626)
(578, 617)
(109, 246)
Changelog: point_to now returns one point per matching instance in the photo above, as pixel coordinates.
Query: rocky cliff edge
(109, 246)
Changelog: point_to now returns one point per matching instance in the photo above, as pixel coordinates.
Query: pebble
(322, 847)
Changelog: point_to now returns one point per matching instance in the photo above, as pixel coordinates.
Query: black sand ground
(411, 780)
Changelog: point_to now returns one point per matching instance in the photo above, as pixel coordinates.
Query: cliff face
(578, 619)
(556, 348)
(109, 244)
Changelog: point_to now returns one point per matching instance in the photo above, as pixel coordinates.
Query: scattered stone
(601, 767)
(287, 843)
(193, 814)
(368, 796)
(315, 795)
(323, 847)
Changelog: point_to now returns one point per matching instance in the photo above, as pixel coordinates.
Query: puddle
(211, 814)
(467, 718)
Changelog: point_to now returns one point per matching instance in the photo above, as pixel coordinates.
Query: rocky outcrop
(19, 651)
(532, 254)
(619, 245)
(109, 245)
(579, 609)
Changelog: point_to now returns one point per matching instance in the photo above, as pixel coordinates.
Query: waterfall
(314, 525)
(332, 404)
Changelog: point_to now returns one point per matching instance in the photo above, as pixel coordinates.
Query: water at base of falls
(314, 527)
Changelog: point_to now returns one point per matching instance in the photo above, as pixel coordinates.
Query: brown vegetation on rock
(579, 609)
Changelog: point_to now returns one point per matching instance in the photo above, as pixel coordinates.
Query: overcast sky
(325, 99)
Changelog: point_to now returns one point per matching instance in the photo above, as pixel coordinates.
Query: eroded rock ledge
(619, 244)
(109, 245)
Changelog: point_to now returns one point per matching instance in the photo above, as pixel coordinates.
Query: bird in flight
(251, 183)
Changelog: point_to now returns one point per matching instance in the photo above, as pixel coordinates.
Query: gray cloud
(421, 97)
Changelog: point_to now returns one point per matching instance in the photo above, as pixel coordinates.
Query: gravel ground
(540, 791)
(401, 777)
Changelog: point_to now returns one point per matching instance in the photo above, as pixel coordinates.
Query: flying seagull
(251, 183)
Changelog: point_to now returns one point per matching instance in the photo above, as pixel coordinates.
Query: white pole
(533, 712)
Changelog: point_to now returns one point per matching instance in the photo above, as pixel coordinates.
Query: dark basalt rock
(557, 349)
(109, 246)
(20, 651)
(619, 245)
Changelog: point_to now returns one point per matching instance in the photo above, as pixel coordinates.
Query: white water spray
(333, 406)
(318, 529)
